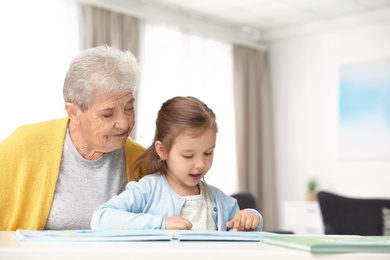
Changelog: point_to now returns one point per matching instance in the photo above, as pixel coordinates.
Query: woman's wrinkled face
(107, 123)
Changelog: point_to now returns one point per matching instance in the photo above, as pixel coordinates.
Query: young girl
(171, 194)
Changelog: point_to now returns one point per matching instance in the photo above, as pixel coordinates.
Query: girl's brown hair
(177, 116)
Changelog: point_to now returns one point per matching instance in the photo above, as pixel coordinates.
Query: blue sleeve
(127, 210)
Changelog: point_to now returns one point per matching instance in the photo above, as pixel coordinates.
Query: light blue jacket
(145, 205)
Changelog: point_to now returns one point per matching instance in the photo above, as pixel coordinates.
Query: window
(175, 63)
(36, 48)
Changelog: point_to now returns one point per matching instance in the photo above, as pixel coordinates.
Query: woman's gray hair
(100, 70)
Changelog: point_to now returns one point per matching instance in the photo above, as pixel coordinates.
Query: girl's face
(189, 161)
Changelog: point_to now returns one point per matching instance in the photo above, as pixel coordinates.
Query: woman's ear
(160, 149)
(72, 110)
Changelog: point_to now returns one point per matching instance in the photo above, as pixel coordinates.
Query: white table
(10, 248)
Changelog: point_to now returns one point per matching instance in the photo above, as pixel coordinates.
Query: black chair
(246, 200)
(351, 216)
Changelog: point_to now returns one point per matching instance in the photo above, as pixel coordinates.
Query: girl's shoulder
(147, 183)
(151, 178)
(156, 175)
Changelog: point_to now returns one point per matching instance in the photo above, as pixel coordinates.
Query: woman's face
(107, 123)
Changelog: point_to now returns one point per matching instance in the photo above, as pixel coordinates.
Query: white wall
(304, 73)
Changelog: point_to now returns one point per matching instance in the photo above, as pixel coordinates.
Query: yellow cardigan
(30, 160)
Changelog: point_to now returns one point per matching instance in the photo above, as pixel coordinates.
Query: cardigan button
(215, 209)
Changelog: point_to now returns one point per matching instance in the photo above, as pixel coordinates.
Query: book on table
(136, 235)
(332, 243)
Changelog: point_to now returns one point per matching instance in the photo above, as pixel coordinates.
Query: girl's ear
(160, 149)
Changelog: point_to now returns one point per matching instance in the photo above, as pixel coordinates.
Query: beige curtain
(254, 130)
(102, 26)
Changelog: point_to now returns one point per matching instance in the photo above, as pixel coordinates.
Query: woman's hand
(177, 222)
(244, 220)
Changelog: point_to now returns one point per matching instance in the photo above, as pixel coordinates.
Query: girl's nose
(199, 164)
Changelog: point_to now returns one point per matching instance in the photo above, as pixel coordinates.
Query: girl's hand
(244, 220)
(177, 222)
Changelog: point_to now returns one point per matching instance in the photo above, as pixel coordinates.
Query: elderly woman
(54, 174)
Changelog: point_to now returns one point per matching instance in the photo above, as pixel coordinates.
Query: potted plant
(311, 194)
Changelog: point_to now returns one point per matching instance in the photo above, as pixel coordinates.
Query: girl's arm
(125, 211)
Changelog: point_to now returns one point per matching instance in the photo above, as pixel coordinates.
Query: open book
(332, 243)
(136, 235)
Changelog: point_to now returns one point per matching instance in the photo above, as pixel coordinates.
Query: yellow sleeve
(30, 160)
(133, 150)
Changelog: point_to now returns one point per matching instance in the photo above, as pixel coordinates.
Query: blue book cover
(136, 235)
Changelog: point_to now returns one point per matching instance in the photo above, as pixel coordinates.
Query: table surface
(10, 248)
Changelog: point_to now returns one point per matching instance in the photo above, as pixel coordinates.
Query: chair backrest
(245, 200)
(351, 216)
